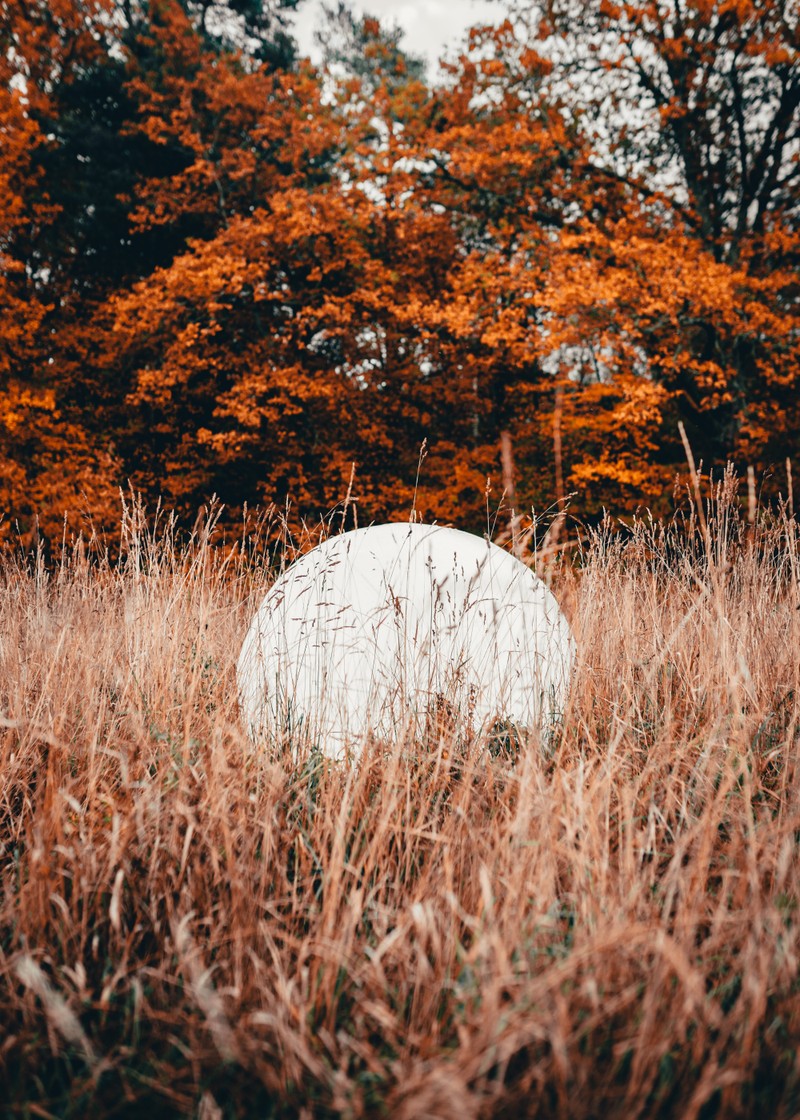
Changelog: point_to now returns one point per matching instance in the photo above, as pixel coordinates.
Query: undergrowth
(192, 926)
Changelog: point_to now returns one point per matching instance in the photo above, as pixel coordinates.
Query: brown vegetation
(191, 926)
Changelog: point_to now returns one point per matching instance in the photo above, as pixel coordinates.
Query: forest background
(224, 271)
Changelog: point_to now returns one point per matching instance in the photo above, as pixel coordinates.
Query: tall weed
(193, 926)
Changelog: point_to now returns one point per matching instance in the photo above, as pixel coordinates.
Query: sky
(431, 26)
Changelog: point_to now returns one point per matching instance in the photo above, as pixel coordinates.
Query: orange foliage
(317, 273)
(48, 464)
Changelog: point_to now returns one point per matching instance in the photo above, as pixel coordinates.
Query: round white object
(381, 630)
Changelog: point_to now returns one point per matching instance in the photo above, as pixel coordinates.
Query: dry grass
(189, 926)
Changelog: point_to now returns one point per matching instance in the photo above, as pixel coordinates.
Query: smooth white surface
(377, 630)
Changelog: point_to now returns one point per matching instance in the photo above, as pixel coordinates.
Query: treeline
(224, 271)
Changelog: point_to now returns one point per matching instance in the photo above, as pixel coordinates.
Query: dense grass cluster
(607, 927)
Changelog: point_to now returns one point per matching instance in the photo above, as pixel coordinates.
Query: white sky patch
(432, 27)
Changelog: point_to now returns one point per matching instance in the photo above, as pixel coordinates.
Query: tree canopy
(225, 271)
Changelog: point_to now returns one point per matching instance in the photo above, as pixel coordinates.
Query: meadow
(603, 925)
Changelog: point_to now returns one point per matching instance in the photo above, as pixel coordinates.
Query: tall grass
(191, 926)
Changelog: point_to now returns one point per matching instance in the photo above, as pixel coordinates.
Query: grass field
(608, 928)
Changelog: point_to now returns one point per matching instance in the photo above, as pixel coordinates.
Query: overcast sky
(431, 26)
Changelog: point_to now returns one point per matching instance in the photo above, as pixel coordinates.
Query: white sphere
(377, 630)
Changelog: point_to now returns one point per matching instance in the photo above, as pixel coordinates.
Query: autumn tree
(350, 321)
(686, 296)
(226, 272)
(78, 79)
(48, 462)
(696, 99)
